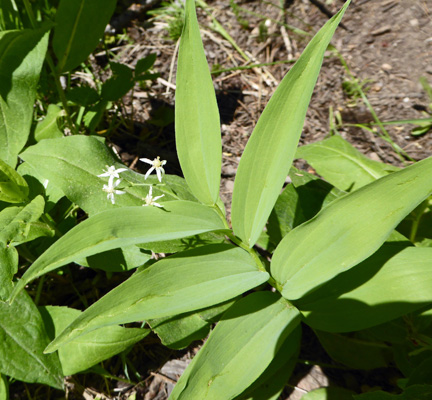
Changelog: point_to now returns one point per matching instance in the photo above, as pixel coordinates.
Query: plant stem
(255, 256)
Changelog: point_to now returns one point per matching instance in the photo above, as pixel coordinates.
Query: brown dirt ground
(387, 42)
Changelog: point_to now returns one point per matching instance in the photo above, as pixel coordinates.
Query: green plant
(330, 255)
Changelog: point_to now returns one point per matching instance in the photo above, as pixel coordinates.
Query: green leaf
(4, 388)
(299, 202)
(73, 164)
(13, 187)
(416, 392)
(144, 64)
(341, 164)
(23, 339)
(422, 375)
(19, 221)
(348, 230)
(355, 352)
(329, 393)
(79, 26)
(21, 56)
(123, 227)
(270, 150)
(116, 260)
(83, 95)
(197, 123)
(273, 380)
(119, 84)
(10, 18)
(392, 282)
(179, 331)
(88, 350)
(246, 340)
(48, 128)
(8, 268)
(213, 274)
(38, 184)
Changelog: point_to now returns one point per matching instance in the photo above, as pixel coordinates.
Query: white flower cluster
(111, 172)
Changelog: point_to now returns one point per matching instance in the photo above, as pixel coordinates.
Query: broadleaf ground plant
(332, 257)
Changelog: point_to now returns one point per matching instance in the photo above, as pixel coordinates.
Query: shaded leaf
(23, 339)
(13, 187)
(416, 392)
(8, 268)
(179, 331)
(273, 380)
(354, 352)
(18, 228)
(116, 260)
(329, 393)
(88, 350)
(79, 26)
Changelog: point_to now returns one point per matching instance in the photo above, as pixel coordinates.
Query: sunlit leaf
(183, 282)
(270, 151)
(341, 164)
(246, 339)
(123, 227)
(197, 124)
(348, 230)
(21, 56)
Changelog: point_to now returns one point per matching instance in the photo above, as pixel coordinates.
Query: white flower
(111, 190)
(150, 201)
(112, 173)
(156, 164)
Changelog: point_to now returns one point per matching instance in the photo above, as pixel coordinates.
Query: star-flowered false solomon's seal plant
(341, 268)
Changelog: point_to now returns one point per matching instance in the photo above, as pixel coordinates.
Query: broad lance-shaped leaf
(73, 164)
(23, 339)
(392, 282)
(13, 187)
(184, 282)
(197, 123)
(123, 227)
(341, 164)
(239, 349)
(21, 56)
(17, 220)
(270, 151)
(88, 350)
(79, 26)
(348, 230)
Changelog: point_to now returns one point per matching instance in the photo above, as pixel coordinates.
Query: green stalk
(242, 245)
